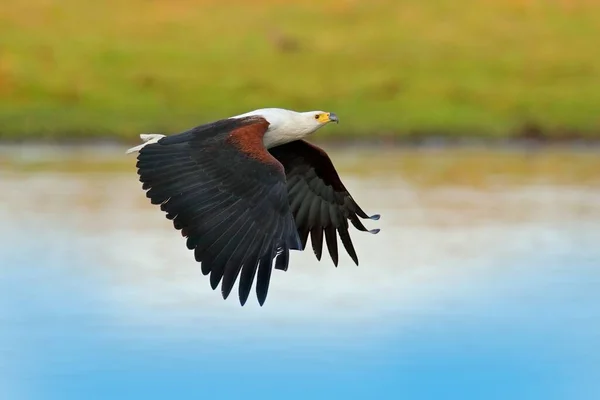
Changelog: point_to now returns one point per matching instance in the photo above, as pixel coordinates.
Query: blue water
(102, 304)
(58, 344)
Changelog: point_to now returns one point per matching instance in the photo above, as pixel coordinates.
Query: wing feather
(318, 199)
(331, 240)
(316, 238)
(234, 264)
(249, 271)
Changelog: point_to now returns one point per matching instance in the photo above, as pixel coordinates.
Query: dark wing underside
(228, 196)
(319, 201)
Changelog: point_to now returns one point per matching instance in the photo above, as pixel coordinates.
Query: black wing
(228, 196)
(318, 199)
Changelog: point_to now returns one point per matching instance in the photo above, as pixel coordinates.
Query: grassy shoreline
(493, 69)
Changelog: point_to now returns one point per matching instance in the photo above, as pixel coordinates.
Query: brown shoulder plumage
(248, 139)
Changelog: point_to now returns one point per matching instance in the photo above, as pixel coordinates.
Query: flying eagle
(246, 190)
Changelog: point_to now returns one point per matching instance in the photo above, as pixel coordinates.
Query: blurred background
(471, 127)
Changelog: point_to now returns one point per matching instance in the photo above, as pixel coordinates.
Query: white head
(286, 125)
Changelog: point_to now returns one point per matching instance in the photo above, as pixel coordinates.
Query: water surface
(483, 283)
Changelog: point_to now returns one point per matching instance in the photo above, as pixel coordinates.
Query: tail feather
(147, 139)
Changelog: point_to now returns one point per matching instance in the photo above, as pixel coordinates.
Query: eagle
(247, 189)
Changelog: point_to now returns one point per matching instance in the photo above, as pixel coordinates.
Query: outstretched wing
(226, 194)
(318, 199)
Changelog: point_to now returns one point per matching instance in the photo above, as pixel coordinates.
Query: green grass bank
(490, 68)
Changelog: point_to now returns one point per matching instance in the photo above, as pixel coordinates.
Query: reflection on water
(483, 279)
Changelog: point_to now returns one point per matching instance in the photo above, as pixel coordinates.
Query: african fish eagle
(246, 190)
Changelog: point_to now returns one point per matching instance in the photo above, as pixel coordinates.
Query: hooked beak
(333, 118)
